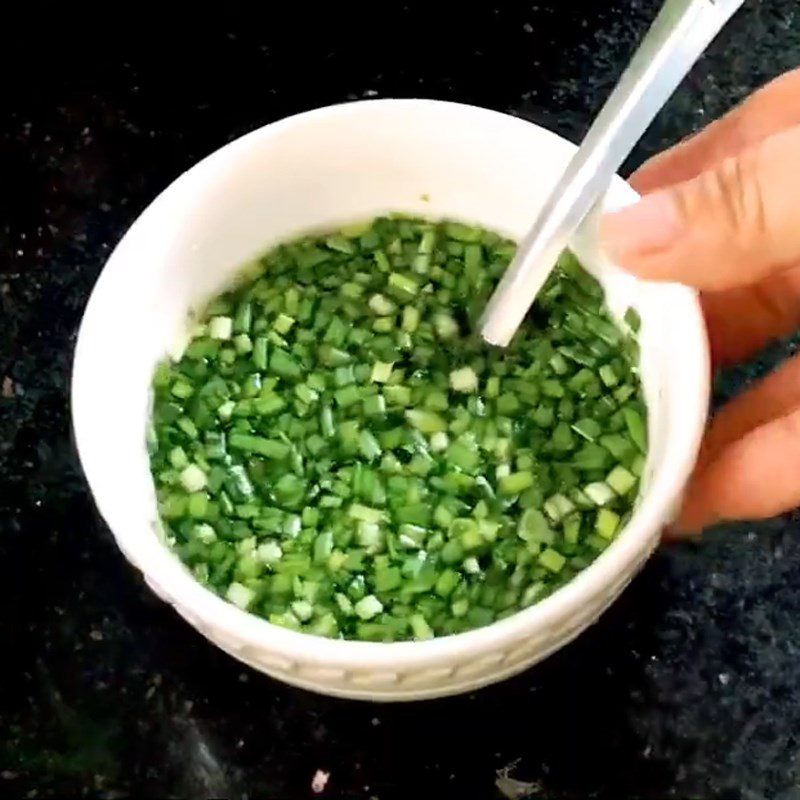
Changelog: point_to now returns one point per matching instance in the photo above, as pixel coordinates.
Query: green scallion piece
(258, 445)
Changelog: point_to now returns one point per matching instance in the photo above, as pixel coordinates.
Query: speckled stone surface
(688, 688)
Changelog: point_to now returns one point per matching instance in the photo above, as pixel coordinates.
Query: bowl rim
(161, 567)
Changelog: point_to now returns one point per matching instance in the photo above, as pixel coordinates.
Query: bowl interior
(336, 165)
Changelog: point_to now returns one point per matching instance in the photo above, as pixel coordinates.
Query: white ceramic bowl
(342, 164)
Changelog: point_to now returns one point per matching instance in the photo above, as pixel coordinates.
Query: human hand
(721, 212)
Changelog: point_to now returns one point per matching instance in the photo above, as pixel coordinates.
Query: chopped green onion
(404, 285)
(381, 372)
(589, 429)
(599, 493)
(446, 327)
(410, 319)
(533, 526)
(260, 352)
(258, 445)
(620, 480)
(365, 514)
(269, 552)
(381, 305)
(558, 506)
(220, 328)
(552, 560)
(192, 478)
(515, 483)
(283, 324)
(464, 380)
(239, 595)
(633, 320)
(439, 441)
(606, 523)
(336, 452)
(607, 375)
(636, 428)
(426, 421)
(368, 607)
(420, 627)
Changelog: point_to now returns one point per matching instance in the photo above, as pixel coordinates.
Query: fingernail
(652, 224)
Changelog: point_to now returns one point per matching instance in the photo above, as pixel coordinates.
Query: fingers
(747, 465)
(731, 226)
(721, 218)
(741, 321)
(775, 396)
(773, 108)
(753, 478)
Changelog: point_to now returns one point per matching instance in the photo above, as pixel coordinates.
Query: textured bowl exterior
(327, 167)
(411, 682)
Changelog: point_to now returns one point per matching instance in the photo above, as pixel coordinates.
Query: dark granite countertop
(688, 688)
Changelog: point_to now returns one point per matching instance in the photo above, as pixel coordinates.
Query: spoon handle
(680, 33)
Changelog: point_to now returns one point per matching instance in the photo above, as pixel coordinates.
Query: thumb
(730, 226)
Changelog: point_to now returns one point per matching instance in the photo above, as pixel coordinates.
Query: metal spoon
(680, 33)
